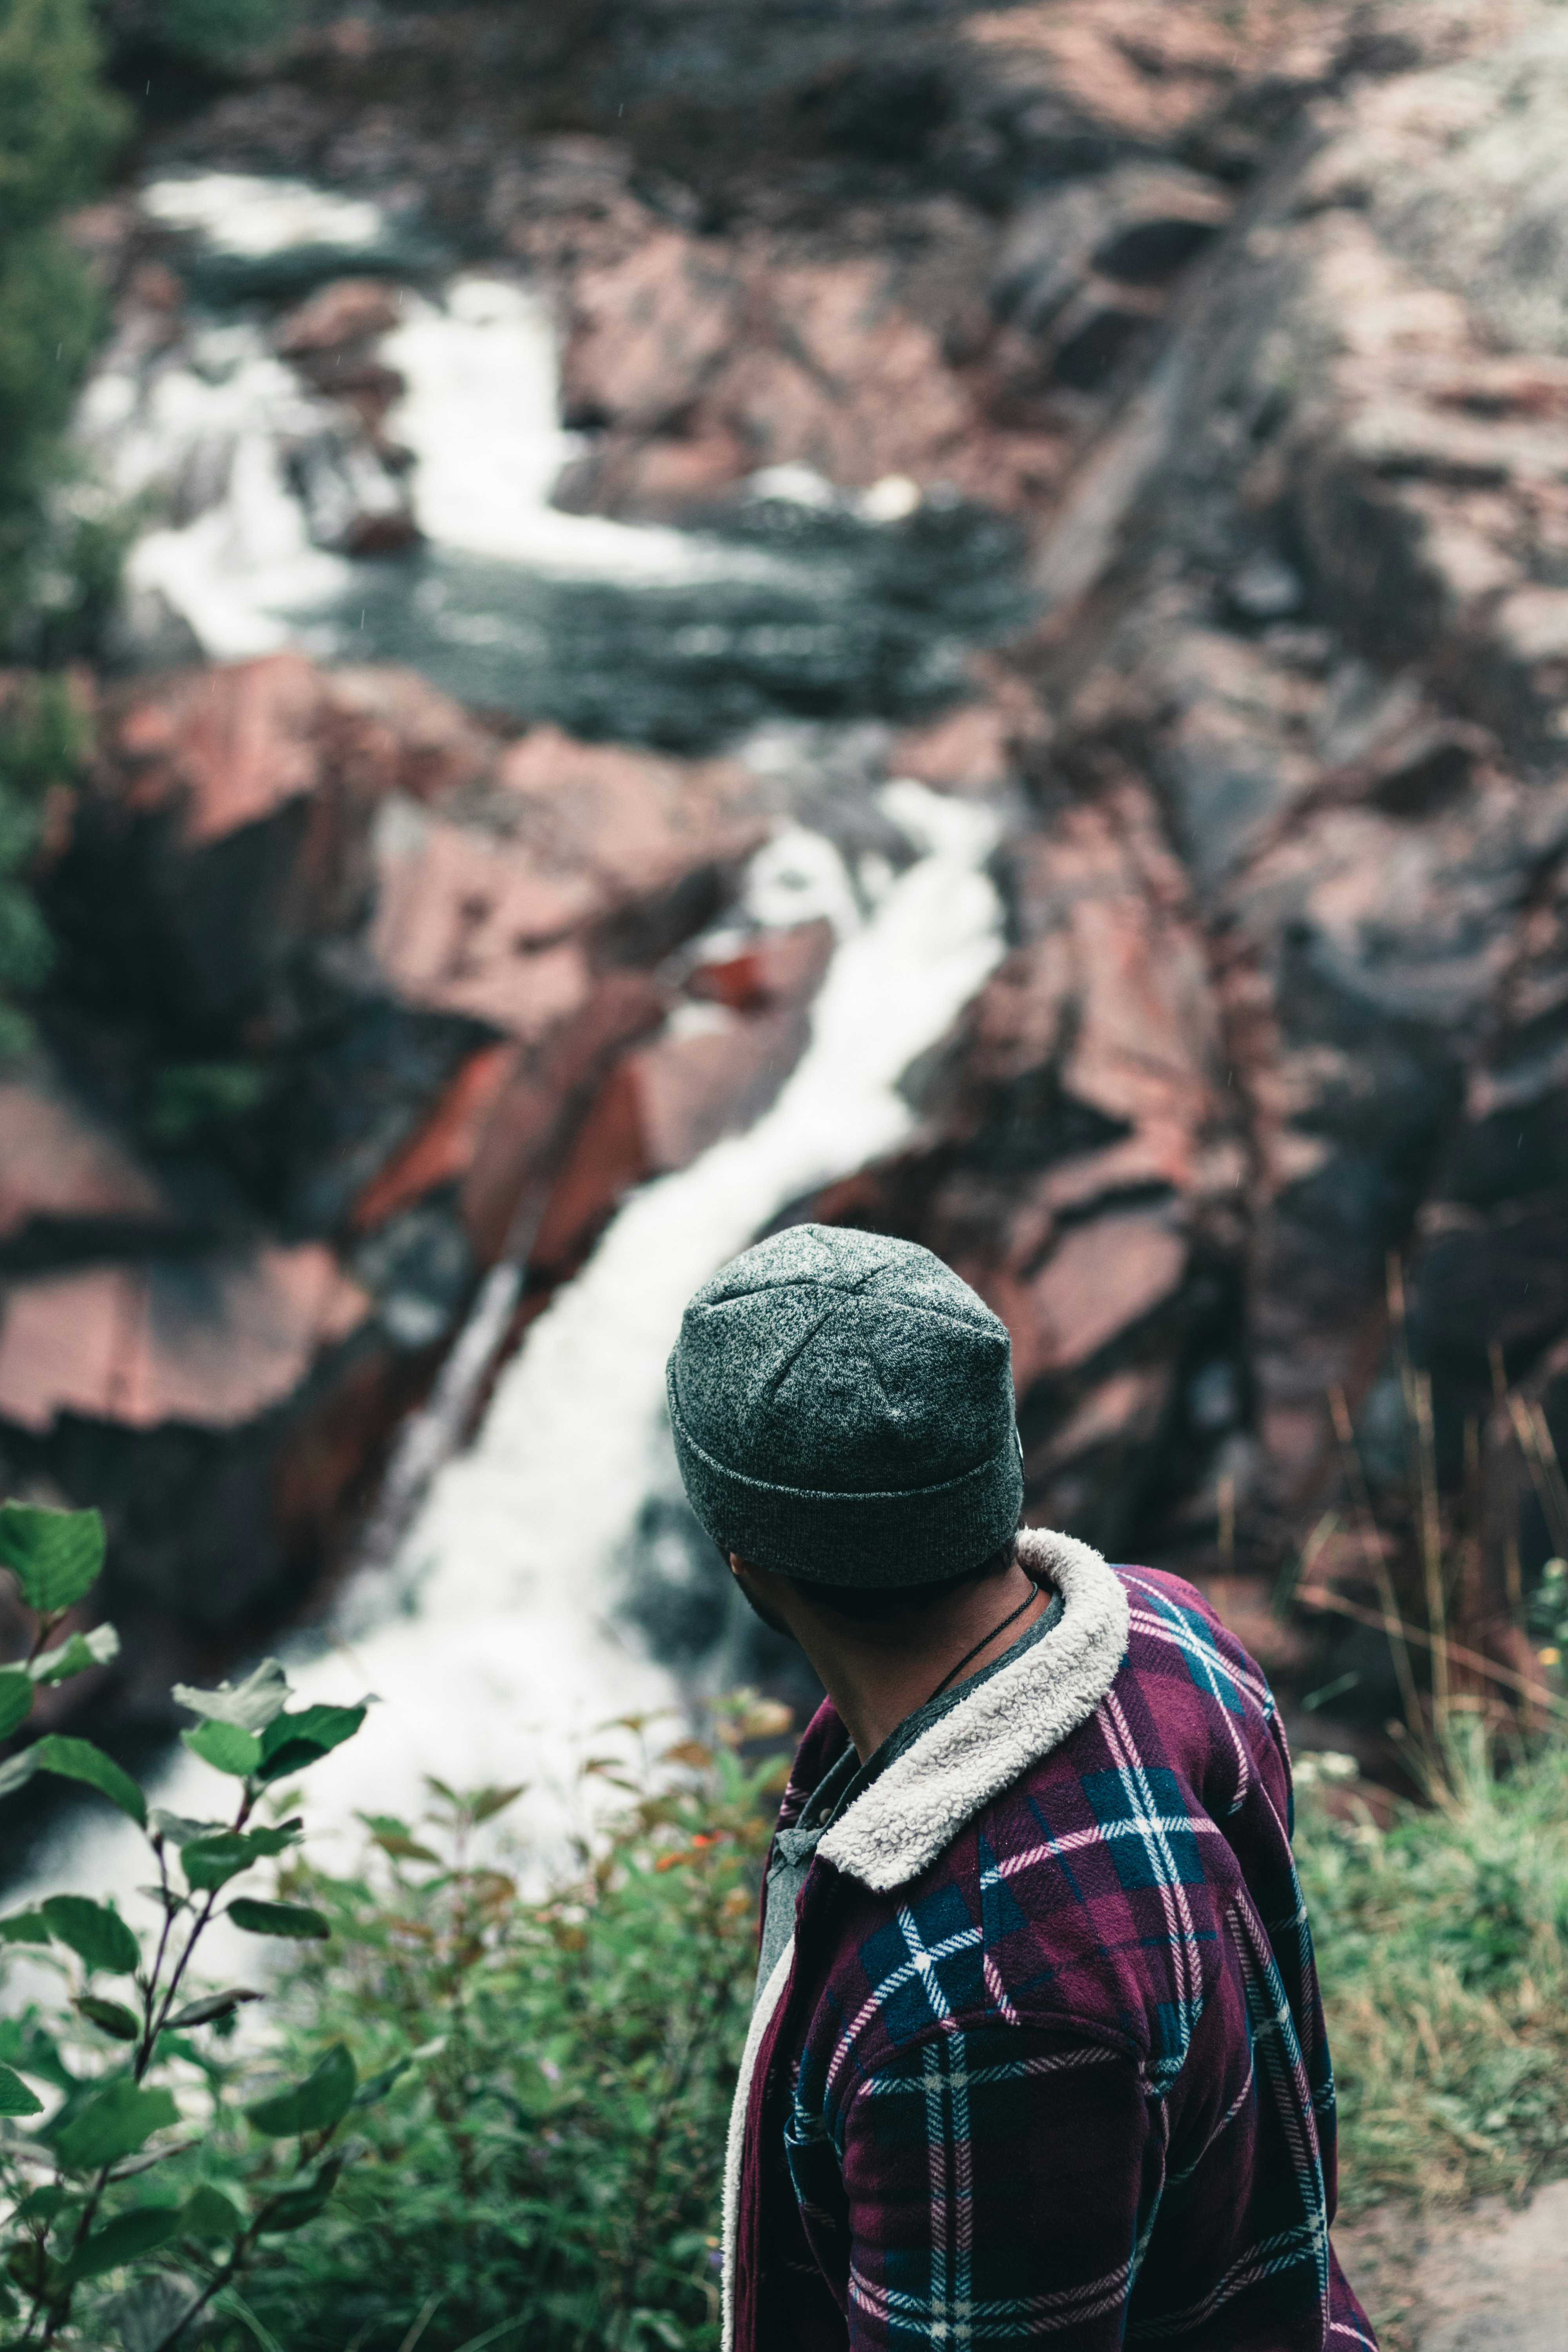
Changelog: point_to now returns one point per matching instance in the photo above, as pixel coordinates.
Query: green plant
(548, 2172)
(1442, 1944)
(58, 127)
(189, 1099)
(140, 2173)
(43, 740)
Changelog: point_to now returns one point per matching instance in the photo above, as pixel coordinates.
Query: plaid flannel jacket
(1044, 2061)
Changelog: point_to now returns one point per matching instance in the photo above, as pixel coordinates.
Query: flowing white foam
(207, 437)
(480, 416)
(256, 219)
(204, 433)
(509, 1654)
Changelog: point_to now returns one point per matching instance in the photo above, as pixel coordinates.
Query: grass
(1442, 1944)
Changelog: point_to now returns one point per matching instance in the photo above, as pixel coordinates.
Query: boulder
(343, 313)
(207, 1343)
(61, 1166)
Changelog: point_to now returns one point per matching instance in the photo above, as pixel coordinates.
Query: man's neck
(876, 1676)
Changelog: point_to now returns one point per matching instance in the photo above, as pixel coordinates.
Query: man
(1038, 2054)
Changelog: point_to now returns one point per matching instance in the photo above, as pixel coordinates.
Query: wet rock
(349, 312)
(207, 1343)
(354, 503)
(717, 1064)
(63, 1168)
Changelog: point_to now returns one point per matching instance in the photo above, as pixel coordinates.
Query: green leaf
(377, 2087)
(125, 2240)
(322, 2100)
(251, 1705)
(25, 2043)
(25, 1927)
(295, 2207)
(148, 2316)
(279, 1919)
(110, 2017)
(78, 1759)
(113, 2125)
(209, 1862)
(16, 2099)
(211, 2006)
(16, 1698)
(173, 1828)
(55, 1556)
(224, 1745)
(485, 1803)
(402, 1848)
(74, 1657)
(210, 2215)
(44, 2203)
(294, 1741)
(96, 1934)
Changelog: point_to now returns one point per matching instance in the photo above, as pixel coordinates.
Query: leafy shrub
(1442, 1945)
(550, 2168)
(58, 126)
(142, 2168)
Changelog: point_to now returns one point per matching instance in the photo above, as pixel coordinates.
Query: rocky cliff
(1251, 318)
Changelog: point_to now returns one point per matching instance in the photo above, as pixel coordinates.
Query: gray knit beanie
(842, 1407)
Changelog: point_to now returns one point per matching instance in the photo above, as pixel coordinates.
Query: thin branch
(1317, 1597)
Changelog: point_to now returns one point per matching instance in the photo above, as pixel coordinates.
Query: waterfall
(496, 1651)
(487, 1618)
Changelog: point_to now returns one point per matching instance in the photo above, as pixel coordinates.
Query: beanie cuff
(901, 1536)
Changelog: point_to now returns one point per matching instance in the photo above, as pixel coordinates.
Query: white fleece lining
(768, 2000)
(918, 1805)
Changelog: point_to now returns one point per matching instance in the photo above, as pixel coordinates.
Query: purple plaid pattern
(1070, 2085)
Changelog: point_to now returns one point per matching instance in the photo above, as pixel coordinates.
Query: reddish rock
(711, 1072)
(465, 924)
(59, 1163)
(774, 969)
(347, 311)
(445, 1146)
(391, 730)
(637, 824)
(220, 747)
(1100, 1281)
(537, 1115)
(208, 1343)
(645, 332)
(969, 752)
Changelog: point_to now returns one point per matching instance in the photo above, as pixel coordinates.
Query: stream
(545, 1578)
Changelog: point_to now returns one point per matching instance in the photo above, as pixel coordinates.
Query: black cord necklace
(984, 1642)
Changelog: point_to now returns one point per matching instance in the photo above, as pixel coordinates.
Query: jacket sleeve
(1001, 2184)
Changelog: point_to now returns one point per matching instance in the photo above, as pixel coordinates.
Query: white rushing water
(206, 428)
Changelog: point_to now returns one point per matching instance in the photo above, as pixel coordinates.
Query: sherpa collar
(918, 1806)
